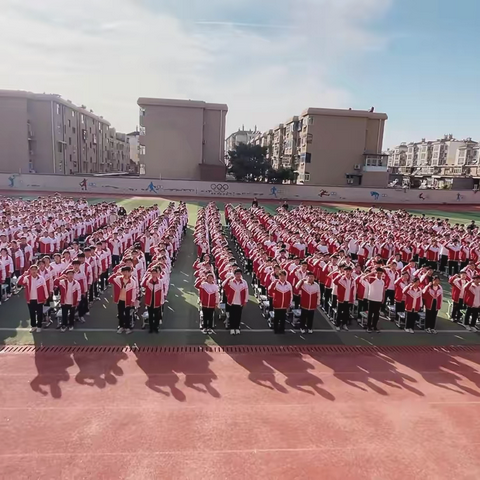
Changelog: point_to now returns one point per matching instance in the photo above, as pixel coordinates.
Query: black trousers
(154, 316)
(452, 267)
(279, 320)
(443, 262)
(326, 297)
(373, 314)
(296, 300)
(390, 295)
(148, 258)
(93, 291)
(343, 313)
(124, 314)
(471, 316)
(83, 306)
(362, 306)
(306, 318)
(334, 301)
(36, 313)
(235, 316)
(8, 283)
(103, 280)
(322, 291)
(456, 313)
(115, 260)
(399, 307)
(410, 320)
(68, 315)
(431, 318)
(208, 317)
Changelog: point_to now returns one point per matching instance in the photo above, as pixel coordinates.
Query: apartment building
(330, 147)
(442, 162)
(240, 136)
(397, 157)
(182, 139)
(44, 133)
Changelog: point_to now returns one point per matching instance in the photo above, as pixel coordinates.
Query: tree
(247, 163)
(281, 175)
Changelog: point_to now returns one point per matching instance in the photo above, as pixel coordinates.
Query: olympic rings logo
(219, 187)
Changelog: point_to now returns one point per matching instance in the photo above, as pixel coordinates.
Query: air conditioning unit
(357, 167)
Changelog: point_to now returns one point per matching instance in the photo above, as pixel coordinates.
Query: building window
(69, 123)
(306, 177)
(69, 140)
(310, 120)
(59, 147)
(142, 112)
(141, 149)
(82, 118)
(142, 130)
(308, 158)
(84, 135)
(73, 114)
(74, 129)
(58, 109)
(70, 157)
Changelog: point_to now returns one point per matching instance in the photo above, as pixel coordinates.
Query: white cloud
(105, 54)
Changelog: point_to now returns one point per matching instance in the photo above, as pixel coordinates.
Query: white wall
(114, 186)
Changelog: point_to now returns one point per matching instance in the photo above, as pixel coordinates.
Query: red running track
(378, 415)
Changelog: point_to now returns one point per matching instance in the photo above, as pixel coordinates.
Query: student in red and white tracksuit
(209, 300)
(458, 283)
(282, 293)
(309, 292)
(236, 290)
(154, 298)
(472, 301)
(36, 294)
(70, 294)
(432, 298)
(400, 285)
(413, 303)
(125, 292)
(346, 291)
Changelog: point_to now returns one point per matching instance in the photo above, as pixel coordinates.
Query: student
(309, 292)
(36, 294)
(154, 298)
(125, 291)
(236, 290)
(458, 283)
(400, 285)
(413, 303)
(375, 296)
(472, 301)
(209, 300)
(346, 288)
(281, 292)
(432, 298)
(70, 293)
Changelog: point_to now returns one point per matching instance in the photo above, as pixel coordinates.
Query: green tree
(281, 175)
(247, 163)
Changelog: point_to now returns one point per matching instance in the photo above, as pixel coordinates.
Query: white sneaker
(467, 327)
(473, 329)
(39, 329)
(87, 314)
(407, 330)
(428, 330)
(237, 332)
(232, 332)
(128, 331)
(433, 331)
(210, 331)
(70, 328)
(204, 331)
(337, 329)
(302, 330)
(310, 331)
(81, 319)
(33, 329)
(345, 328)
(411, 331)
(120, 330)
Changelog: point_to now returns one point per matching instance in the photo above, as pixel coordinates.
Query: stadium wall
(115, 186)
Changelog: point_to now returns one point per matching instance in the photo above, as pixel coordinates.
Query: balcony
(375, 163)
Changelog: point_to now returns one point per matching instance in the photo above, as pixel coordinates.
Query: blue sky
(418, 61)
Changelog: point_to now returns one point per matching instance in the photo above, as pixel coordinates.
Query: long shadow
(365, 372)
(198, 374)
(444, 370)
(52, 371)
(161, 378)
(99, 369)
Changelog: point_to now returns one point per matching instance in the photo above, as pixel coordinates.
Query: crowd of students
(368, 258)
(60, 246)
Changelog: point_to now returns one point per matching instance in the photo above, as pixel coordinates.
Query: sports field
(180, 325)
(181, 405)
